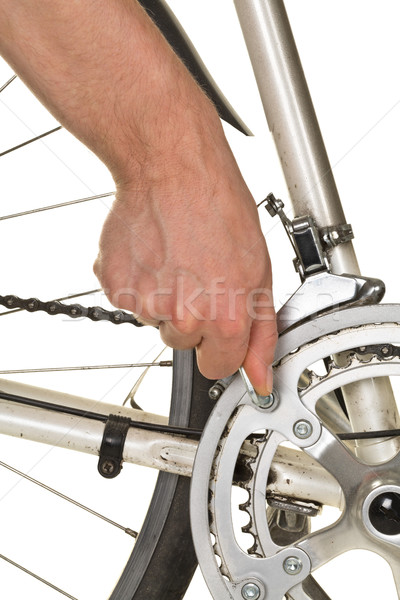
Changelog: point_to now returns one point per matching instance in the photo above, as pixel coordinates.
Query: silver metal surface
(294, 126)
(174, 454)
(337, 234)
(292, 120)
(40, 484)
(370, 408)
(266, 401)
(302, 430)
(292, 565)
(325, 291)
(69, 400)
(250, 591)
(164, 363)
(305, 238)
(224, 562)
(164, 452)
(60, 205)
(294, 474)
(289, 110)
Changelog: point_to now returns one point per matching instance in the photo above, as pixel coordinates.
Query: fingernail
(269, 380)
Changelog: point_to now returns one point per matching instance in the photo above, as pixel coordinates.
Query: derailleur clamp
(309, 242)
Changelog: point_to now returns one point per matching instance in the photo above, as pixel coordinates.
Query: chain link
(75, 311)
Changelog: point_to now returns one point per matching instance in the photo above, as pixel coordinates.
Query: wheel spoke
(38, 137)
(7, 83)
(127, 530)
(131, 396)
(162, 363)
(60, 205)
(35, 576)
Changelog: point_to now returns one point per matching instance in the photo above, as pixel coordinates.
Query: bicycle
(258, 442)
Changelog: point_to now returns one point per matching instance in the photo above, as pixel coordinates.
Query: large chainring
(273, 569)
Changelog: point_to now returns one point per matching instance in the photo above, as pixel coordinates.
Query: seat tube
(292, 120)
(312, 189)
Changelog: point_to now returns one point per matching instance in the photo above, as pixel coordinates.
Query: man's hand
(184, 250)
(182, 246)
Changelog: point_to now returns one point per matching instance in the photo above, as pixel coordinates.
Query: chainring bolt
(292, 565)
(250, 591)
(302, 429)
(264, 401)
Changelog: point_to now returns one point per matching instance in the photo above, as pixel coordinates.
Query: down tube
(308, 174)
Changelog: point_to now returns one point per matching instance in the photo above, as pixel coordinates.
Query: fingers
(183, 338)
(260, 355)
(219, 357)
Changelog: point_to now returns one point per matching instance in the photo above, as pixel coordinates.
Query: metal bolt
(250, 591)
(264, 401)
(215, 392)
(108, 467)
(292, 565)
(302, 429)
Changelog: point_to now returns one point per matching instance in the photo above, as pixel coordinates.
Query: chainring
(270, 570)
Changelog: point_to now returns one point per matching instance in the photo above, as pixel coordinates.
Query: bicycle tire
(163, 559)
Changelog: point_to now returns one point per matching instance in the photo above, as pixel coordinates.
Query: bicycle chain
(74, 311)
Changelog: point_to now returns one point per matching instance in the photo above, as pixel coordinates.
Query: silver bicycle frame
(312, 189)
(311, 185)
(292, 120)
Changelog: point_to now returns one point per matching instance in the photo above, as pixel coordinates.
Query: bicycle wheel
(163, 561)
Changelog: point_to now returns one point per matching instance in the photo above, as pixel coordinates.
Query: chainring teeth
(246, 507)
(355, 359)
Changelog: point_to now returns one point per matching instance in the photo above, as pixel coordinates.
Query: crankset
(256, 443)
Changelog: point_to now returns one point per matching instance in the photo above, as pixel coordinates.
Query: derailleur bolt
(265, 401)
(302, 429)
(292, 565)
(250, 591)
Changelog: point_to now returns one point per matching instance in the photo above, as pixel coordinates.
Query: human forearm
(108, 75)
(182, 246)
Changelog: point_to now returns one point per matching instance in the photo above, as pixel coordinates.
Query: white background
(351, 57)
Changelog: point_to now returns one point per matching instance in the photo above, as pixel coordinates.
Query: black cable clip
(112, 446)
